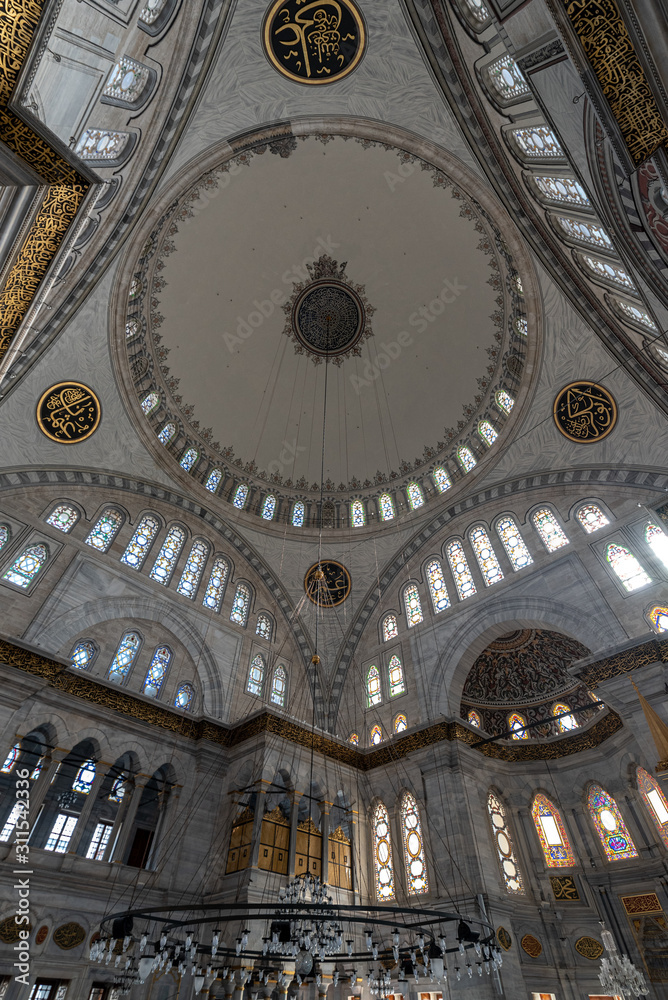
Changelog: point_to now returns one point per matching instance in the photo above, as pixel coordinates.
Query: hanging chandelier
(618, 974)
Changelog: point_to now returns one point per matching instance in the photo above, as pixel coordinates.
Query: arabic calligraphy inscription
(68, 412)
(585, 412)
(314, 43)
(327, 583)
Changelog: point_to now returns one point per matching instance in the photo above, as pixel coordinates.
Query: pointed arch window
(151, 10)
(441, 479)
(125, 657)
(118, 789)
(437, 588)
(395, 674)
(150, 403)
(460, 570)
(25, 567)
(105, 530)
(215, 590)
(521, 326)
(610, 826)
(132, 329)
(12, 758)
(626, 567)
(256, 675)
(413, 605)
(517, 726)
(479, 10)
(168, 555)
(415, 495)
(102, 144)
(83, 654)
(516, 550)
(510, 872)
(549, 529)
(484, 553)
(376, 736)
(127, 81)
(240, 496)
(167, 434)
(562, 189)
(585, 232)
(658, 618)
(269, 507)
(298, 513)
(157, 671)
(505, 77)
(189, 458)
(466, 458)
(84, 778)
(354, 739)
(591, 517)
(264, 627)
(414, 856)
(390, 628)
(537, 143)
(213, 481)
(400, 723)
(184, 697)
(552, 835)
(655, 801)
(382, 854)
(473, 719)
(241, 605)
(193, 569)
(609, 272)
(63, 517)
(657, 540)
(373, 692)
(357, 514)
(504, 400)
(386, 506)
(279, 685)
(487, 432)
(634, 313)
(567, 722)
(141, 542)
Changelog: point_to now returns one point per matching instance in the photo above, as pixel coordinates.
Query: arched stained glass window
(591, 517)
(390, 628)
(240, 496)
(563, 189)
(479, 10)
(567, 722)
(376, 735)
(413, 605)
(658, 617)
(127, 80)
(512, 877)
(101, 144)
(414, 857)
(298, 513)
(657, 540)
(415, 495)
(169, 553)
(609, 272)
(25, 567)
(125, 657)
(460, 570)
(269, 508)
(354, 739)
(12, 758)
(487, 432)
(83, 654)
(400, 724)
(610, 826)
(655, 801)
(215, 590)
(157, 671)
(437, 588)
(264, 627)
(373, 692)
(537, 143)
(357, 514)
(193, 569)
(509, 533)
(395, 674)
(626, 567)
(633, 312)
(549, 529)
(585, 232)
(84, 778)
(505, 77)
(474, 719)
(118, 789)
(63, 517)
(189, 458)
(382, 854)
(441, 479)
(386, 506)
(167, 433)
(279, 685)
(151, 10)
(466, 458)
(132, 329)
(213, 481)
(150, 402)
(141, 542)
(184, 697)
(504, 400)
(105, 530)
(241, 605)
(554, 841)
(484, 553)
(521, 326)
(516, 724)
(256, 675)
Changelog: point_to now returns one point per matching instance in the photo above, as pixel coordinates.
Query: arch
(150, 402)
(626, 567)
(168, 433)
(298, 514)
(141, 541)
(609, 825)
(395, 676)
(11, 759)
(655, 801)
(568, 722)
(157, 671)
(279, 685)
(439, 593)
(657, 616)
(357, 514)
(241, 605)
(83, 654)
(657, 540)
(516, 725)
(504, 401)
(373, 690)
(63, 517)
(591, 517)
(466, 458)
(194, 568)
(386, 506)
(549, 530)
(413, 605)
(167, 557)
(125, 656)
(215, 591)
(441, 479)
(511, 538)
(213, 480)
(460, 570)
(189, 459)
(506, 79)
(391, 628)
(354, 739)
(256, 672)
(473, 719)
(240, 496)
(400, 724)
(488, 433)
(415, 495)
(105, 529)
(485, 555)
(417, 879)
(503, 842)
(264, 626)
(375, 735)
(27, 566)
(269, 507)
(552, 834)
(382, 854)
(129, 83)
(184, 697)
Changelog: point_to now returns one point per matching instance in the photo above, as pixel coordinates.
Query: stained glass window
(15, 815)
(127, 80)
(279, 684)
(264, 627)
(484, 553)
(395, 673)
(415, 495)
(506, 78)
(586, 232)
(63, 517)
(658, 542)
(240, 496)
(215, 590)
(400, 724)
(437, 588)
(414, 856)
(141, 542)
(549, 529)
(610, 826)
(413, 605)
(460, 571)
(567, 722)
(125, 657)
(189, 458)
(635, 313)
(655, 801)
(150, 403)
(241, 605)
(474, 719)
(83, 654)
(169, 553)
(390, 628)
(478, 9)
(25, 567)
(376, 735)
(99, 841)
(516, 724)
(12, 758)
(151, 10)
(386, 506)
(118, 789)
(100, 144)
(354, 739)
(658, 618)
(563, 189)
(256, 675)
(441, 479)
(157, 671)
(184, 697)
(357, 514)
(512, 877)
(269, 508)
(167, 433)
(105, 530)
(373, 693)
(193, 569)
(537, 143)
(132, 329)
(382, 853)
(466, 458)
(61, 833)
(298, 512)
(213, 480)
(504, 400)
(487, 432)
(591, 517)
(610, 272)
(513, 543)
(626, 567)
(84, 778)
(136, 288)
(552, 834)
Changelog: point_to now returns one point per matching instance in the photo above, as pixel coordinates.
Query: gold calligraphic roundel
(69, 936)
(327, 583)
(68, 412)
(315, 42)
(589, 948)
(504, 938)
(531, 945)
(585, 412)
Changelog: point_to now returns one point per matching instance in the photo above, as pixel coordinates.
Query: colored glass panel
(437, 588)
(85, 777)
(151, 10)
(357, 514)
(256, 675)
(609, 272)
(460, 571)
(167, 433)
(12, 757)
(269, 508)
(504, 400)
(150, 402)
(118, 789)
(487, 432)
(414, 857)
(213, 481)
(125, 656)
(478, 9)
(382, 854)
(395, 673)
(635, 314)
(354, 739)
(105, 530)
(510, 872)
(241, 605)
(215, 590)
(521, 326)
(655, 801)
(83, 654)
(127, 80)
(240, 496)
(25, 568)
(193, 569)
(373, 693)
(390, 628)
(474, 719)
(585, 232)
(657, 540)
(386, 506)
(441, 479)
(413, 605)
(466, 459)
(157, 671)
(189, 459)
(484, 553)
(415, 495)
(184, 697)
(567, 722)
(376, 735)
(132, 329)
(610, 826)
(552, 834)
(563, 189)
(141, 542)
(63, 517)
(549, 529)
(509, 533)
(537, 143)
(506, 78)
(100, 144)
(169, 553)
(516, 724)
(298, 513)
(591, 517)
(658, 617)
(279, 685)
(626, 567)
(264, 627)
(400, 724)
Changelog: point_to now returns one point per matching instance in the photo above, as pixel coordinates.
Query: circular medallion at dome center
(328, 318)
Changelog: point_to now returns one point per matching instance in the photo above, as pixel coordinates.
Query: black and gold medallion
(68, 412)
(314, 42)
(585, 412)
(327, 583)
